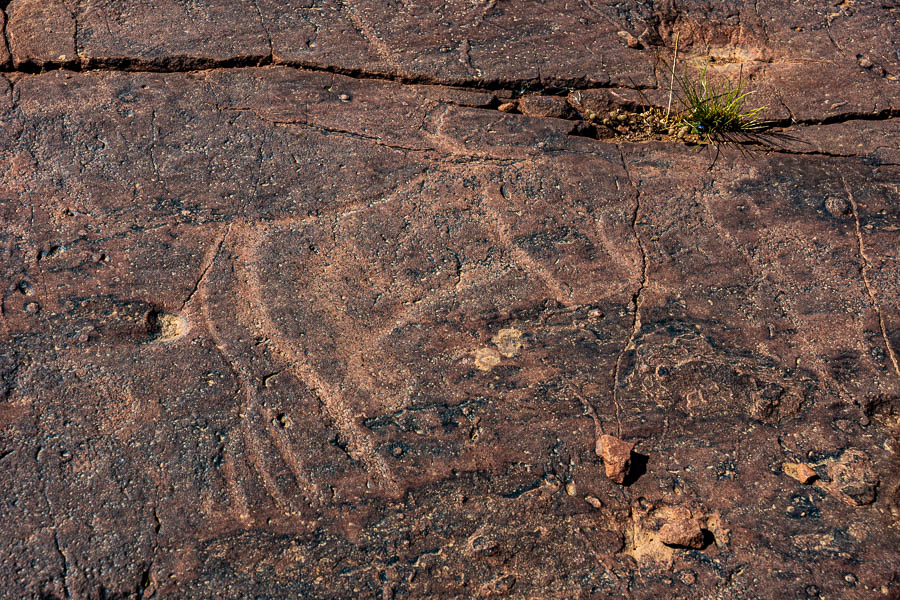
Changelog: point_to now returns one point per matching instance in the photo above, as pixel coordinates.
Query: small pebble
(344, 98)
(507, 107)
(32, 308)
(630, 40)
(570, 488)
(593, 501)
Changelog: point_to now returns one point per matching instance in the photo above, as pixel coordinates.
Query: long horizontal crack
(188, 64)
(882, 115)
(822, 153)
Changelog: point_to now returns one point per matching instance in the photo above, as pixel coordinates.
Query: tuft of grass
(717, 111)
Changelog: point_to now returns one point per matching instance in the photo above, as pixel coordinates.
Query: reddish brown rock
(683, 533)
(800, 472)
(41, 33)
(262, 266)
(616, 456)
(4, 48)
(244, 306)
(593, 501)
(852, 478)
(545, 106)
(786, 49)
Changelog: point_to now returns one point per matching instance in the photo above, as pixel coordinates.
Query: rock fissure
(75, 32)
(265, 28)
(190, 64)
(788, 151)
(865, 267)
(6, 46)
(351, 134)
(65, 563)
(466, 158)
(209, 260)
(51, 517)
(882, 115)
(534, 86)
(630, 345)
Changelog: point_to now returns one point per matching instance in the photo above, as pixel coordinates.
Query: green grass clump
(716, 111)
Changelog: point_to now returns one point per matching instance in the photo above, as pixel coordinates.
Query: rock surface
(291, 309)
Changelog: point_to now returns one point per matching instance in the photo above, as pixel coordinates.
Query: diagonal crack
(210, 259)
(864, 269)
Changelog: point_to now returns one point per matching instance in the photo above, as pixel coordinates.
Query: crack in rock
(864, 268)
(635, 298)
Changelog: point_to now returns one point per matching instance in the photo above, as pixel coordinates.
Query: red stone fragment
(683, 533)
(616, 456)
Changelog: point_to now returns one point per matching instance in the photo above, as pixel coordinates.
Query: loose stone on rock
(630, 40)
(683, 533)
(800, 472)
(593, 501)
(838, 207)
(487, 358)
(616, 456)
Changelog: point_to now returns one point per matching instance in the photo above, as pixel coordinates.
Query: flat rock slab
(311, 322)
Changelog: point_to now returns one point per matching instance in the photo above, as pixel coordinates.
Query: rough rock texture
(682, 533)
(285, 315)
(616, 455)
